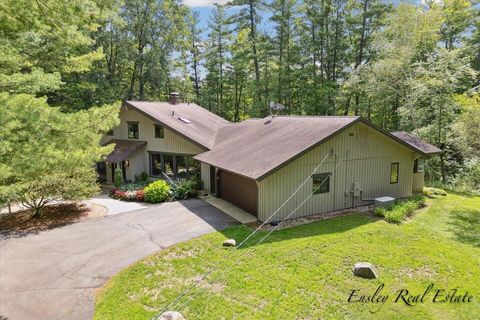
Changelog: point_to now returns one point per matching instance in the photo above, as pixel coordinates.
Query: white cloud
(203, 3)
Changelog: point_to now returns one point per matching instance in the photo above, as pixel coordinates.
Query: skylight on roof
(184, 120)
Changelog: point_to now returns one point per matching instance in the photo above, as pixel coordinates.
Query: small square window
(394, 173)
(110, 132)
(132, 130)
(321, 183)
(159, 132)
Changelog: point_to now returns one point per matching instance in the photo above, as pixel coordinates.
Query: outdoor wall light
(127, 163)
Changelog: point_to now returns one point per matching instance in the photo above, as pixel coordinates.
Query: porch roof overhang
(123, 149)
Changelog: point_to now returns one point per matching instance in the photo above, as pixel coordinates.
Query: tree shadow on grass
(465, 225)
(321, 227)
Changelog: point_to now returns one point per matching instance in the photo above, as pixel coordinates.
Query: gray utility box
(385, 202)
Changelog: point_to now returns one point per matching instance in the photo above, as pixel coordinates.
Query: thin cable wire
(215, 266)
(268, 234)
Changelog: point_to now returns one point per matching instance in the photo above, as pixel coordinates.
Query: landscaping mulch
(53, 216)
(365, 209)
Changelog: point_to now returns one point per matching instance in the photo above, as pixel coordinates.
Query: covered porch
(128, 156)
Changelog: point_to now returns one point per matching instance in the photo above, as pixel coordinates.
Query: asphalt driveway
(54, 274)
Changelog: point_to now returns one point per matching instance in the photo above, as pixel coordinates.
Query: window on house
(418, 165)
(181, 167)
(193, 167)
(321, 183)
(394, 173)
(156, 164)
(132, 130)
(169, 168)
(110, 132)
(176, 166)
(159, 133)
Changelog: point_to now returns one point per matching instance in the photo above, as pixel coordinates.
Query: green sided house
(259, 163)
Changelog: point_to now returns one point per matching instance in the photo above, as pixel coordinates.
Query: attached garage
(238, 190)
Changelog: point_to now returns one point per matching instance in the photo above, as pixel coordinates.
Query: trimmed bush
(117, 177)
(158, 191)
(185, 189)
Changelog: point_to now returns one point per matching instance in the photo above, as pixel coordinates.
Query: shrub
(434, 191)
(118, 177)
(380, 211)
(402, 209)
(133, 186)
(141, 177)
(157, 191)
(185, 189)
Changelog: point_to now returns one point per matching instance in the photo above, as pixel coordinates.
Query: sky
(204, 9)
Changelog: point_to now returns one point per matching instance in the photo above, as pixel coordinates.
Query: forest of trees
(403, 66)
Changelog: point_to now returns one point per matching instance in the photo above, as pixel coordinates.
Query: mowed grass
(305, 272)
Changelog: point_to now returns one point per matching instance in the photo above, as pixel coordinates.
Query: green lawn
(305, 272)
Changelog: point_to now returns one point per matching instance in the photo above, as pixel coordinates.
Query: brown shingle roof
(416, 143)
(123, 148)
(202, 129)
(254, 148)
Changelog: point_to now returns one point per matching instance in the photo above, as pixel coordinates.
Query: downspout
(334, 184)
(346, 177)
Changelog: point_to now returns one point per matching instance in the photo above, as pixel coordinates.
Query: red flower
(139, 196)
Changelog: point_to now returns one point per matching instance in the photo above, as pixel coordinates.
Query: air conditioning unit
(384, 202)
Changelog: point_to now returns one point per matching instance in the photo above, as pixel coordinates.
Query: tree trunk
(361, 48)
(347, 106)
(254, 41)
(220, 48)
(195, 72)
(357, 104)
(253, 36)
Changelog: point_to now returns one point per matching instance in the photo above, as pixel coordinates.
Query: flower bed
(129, 195)
(157, 191)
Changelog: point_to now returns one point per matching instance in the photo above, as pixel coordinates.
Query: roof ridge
(309, 116)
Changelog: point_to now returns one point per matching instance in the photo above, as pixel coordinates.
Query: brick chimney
(174, 97)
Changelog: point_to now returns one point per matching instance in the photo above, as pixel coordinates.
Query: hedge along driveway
(54, 274)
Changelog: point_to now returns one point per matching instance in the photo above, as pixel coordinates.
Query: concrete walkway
(54, 274)
(233, 211)
(115, 206)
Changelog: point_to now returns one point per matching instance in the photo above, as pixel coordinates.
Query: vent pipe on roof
(174, 98)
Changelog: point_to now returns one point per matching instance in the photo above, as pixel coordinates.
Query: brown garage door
(238, 190)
